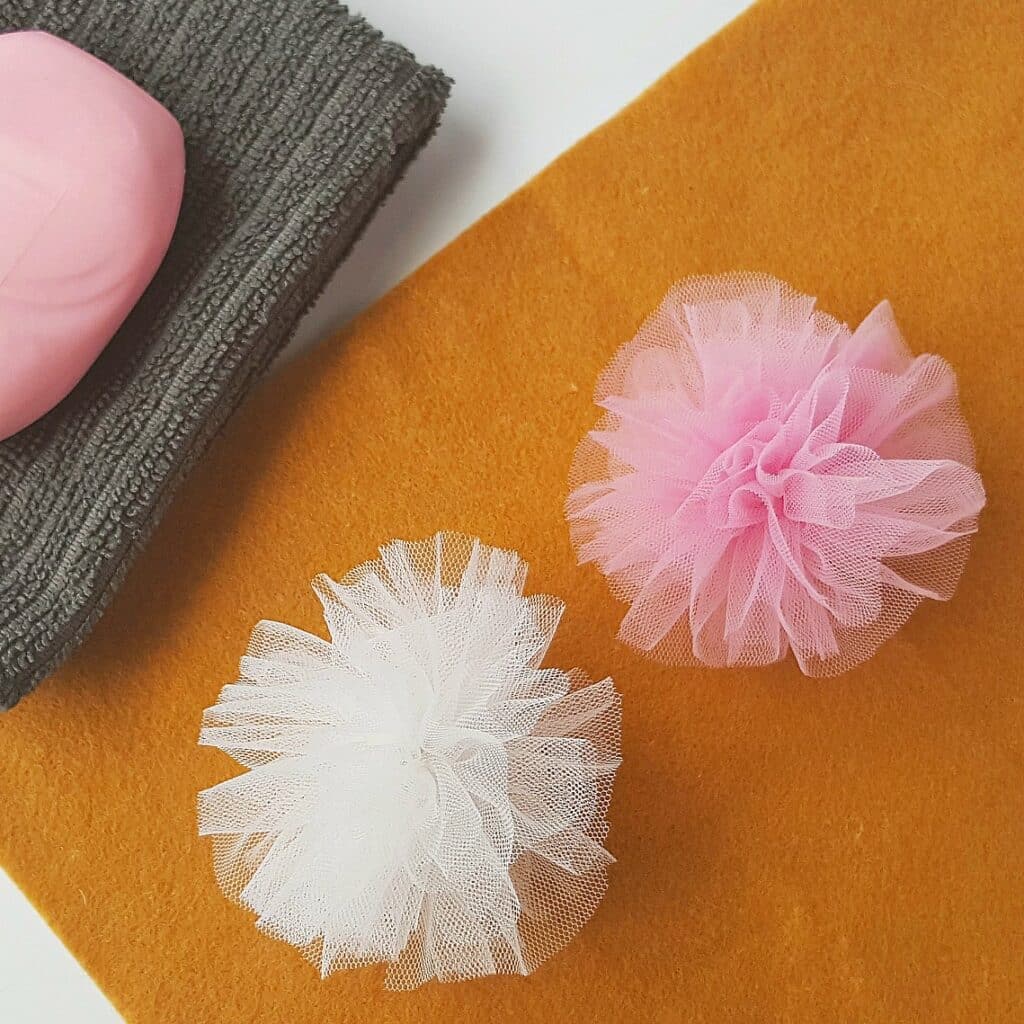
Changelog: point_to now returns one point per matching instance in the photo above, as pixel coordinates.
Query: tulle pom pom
(420, 791)
(765, 480)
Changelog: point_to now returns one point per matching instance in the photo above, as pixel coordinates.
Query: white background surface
(531, 77)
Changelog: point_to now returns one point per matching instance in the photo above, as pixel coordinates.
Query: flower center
(748, 481)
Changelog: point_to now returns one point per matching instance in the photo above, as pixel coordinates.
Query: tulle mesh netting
(420, 791)
(764, 479)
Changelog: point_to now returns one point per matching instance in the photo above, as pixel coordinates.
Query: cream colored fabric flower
(420, 791)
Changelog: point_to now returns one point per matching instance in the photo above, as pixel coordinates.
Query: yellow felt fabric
(789, 849)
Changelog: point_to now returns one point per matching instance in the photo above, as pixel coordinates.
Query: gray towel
(298, 120)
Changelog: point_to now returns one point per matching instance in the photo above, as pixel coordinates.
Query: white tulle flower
(420, 791)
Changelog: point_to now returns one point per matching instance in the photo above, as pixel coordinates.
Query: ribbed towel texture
(298, 118)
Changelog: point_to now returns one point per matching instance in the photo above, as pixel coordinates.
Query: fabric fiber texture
(298, 118)
(795, 850)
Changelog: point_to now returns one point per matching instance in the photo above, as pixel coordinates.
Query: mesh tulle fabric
(420, 792)
(763, 479)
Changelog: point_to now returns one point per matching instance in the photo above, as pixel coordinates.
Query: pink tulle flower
(764, 479)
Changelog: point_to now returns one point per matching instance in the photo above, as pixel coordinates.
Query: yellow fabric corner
(789, 849)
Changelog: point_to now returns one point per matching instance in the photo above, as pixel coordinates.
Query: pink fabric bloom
(764, 479)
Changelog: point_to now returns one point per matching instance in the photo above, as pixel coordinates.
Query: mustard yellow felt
(793, 850)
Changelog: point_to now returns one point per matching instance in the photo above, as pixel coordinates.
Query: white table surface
(531, 77)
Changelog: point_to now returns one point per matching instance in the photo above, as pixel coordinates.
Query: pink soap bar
(91, 176)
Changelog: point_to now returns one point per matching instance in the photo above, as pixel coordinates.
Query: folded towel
(298, 118)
